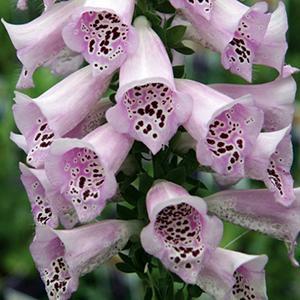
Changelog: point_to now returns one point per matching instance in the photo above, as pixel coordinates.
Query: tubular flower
(180, 232)
(259, 211)
(275, 98)
(234, 275)
(225, 130)
(37, 48)
(62, 256)
(83, 170)
(242, 35)
(56, 112)
(149, 108)
(100, 30)
(48, 208)
(270, 161)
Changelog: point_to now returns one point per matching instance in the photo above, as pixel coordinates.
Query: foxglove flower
(83, 171)
(149, 108)
(62, 256)
(275, 98)
(94, 119)
(48, 208)
(242, 35)
(270, 161)
(180, 232)
(100, 30)
(258, 210)
(225, 130)
(56, 112)
(234, 275)
(37, 47)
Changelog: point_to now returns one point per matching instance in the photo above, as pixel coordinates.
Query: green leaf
(126, 213)
(165, 8)
(126, 259)
(179, 295)
(145, 182)
(125, 268)
(181, 48)
(131, 195)
(153, 18)
(177, 175)
(148, 294)
(175, 35)
(194, 291)
(179, 71)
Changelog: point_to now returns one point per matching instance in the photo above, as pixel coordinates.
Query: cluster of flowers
(76, 144)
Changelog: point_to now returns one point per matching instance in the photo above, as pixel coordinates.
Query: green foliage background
(16, 225)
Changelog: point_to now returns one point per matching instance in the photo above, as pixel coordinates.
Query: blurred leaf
(125, 268)
(175, 35)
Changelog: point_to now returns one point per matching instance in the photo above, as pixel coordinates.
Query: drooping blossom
(180, 232)
(225, 129)
(244, 36)
(56, 112)
(275, 98)
(48, 207)
(259, 211)
(101, 31)
(149, 108)
(37, 47)
(234, 275)
(94, 119)
(83, 170)
(270, 161)
(62, 256)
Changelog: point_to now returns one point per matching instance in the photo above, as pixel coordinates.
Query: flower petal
(280, 94)
(225, 129)
(148, 106)
(271, 160)
(62, 256)
(82, 171)
(234, 275)
(101, 31)
(180, 232)
(258, 210)
(48, 117)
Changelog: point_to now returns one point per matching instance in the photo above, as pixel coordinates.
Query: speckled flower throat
(228, 137)
(104, 39)
(84, 178)
(41, 139)
(149, 107)
(180, 228)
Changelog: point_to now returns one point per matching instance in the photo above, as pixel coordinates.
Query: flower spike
(180, 232)
(83, 170)
(101, 31)
(56, 112)
(234, 275)
(62, 256)
(149, 108)
(23, 4)
(225, 130)
(259, 211)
